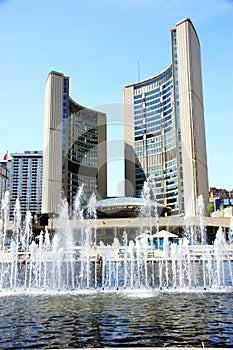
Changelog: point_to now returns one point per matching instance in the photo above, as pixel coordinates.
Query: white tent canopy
(163, 234)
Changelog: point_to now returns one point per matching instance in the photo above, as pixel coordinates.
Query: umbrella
(163, 234)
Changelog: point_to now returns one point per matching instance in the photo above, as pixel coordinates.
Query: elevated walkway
(169, 221)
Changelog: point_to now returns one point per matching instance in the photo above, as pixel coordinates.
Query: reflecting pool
(124, 319)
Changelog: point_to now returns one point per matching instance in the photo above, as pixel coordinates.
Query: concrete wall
(129, 142)
(52, 151)
(191, 116)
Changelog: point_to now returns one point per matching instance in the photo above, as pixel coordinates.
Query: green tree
(210, 207)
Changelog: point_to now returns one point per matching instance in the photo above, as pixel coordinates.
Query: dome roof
(127, 207)
(126, 201)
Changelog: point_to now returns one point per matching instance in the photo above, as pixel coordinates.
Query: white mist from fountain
(148, 210)
(230, 233)
(200, 214)
(73, 259)
(221, 253)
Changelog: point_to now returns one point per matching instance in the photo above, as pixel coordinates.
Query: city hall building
(165, 131)
(74, 151)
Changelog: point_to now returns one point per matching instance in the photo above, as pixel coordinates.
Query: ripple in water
(108, 319)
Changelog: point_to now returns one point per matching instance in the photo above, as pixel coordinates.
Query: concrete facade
(74, 146)
(195, 176)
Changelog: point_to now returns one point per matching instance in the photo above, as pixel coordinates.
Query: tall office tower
(74, 147)
(26, 182)
(164, 125)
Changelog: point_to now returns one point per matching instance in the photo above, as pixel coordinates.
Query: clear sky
(98, 44)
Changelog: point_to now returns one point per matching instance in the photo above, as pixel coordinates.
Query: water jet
(59, 263)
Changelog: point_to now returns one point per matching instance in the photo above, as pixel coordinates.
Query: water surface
(69, 320)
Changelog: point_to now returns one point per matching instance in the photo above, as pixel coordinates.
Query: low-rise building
(221, 198)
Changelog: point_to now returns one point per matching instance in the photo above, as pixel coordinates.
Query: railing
(78, 253)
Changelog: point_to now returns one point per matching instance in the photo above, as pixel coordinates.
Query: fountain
(68, 261)
(69, 289)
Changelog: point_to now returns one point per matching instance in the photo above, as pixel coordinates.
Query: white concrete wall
(191, 116)
(52, 152)
(129, 141)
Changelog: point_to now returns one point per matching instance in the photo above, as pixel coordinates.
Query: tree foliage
(210, 207)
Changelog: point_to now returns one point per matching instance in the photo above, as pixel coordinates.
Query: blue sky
(98, 44)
